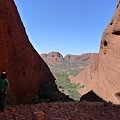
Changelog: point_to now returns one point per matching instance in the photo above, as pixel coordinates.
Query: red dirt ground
(62, 111)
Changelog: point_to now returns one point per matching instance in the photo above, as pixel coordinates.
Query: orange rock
(38, 113)
(102, 76)
(52, 109)
(13, 110)
(25, 69)
(40, 118)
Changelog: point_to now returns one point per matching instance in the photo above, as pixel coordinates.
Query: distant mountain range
(70, 64)
(58, 57)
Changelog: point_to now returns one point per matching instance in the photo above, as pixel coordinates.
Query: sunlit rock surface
(102, 76)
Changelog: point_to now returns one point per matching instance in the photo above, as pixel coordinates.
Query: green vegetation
(64, 85)
(64, 70)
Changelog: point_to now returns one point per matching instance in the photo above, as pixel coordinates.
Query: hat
(3, 72)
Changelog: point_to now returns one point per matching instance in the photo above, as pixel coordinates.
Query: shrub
(11, 99)
(51, 93)
(32, 98)
(118, 95)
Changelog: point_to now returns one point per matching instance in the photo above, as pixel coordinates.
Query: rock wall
(25, 69)
(102, 76)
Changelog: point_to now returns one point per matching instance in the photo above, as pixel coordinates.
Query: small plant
(11, 99)
(32, 98)
(108, 103)
(118, 95)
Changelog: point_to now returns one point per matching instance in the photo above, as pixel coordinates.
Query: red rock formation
(25, 69)
(84, 57)
(102, 76)
(71, 57)
(89, 57)
(54, 56)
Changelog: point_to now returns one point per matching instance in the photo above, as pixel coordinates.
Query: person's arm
(7, 89)
(7, 85)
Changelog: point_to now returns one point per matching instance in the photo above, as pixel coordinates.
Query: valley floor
(62, 111)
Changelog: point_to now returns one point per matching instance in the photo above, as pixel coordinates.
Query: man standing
(4, 86)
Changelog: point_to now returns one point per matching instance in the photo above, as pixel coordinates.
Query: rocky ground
(62, 111)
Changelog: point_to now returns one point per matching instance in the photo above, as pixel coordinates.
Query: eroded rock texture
(25, 69)
(102, 76)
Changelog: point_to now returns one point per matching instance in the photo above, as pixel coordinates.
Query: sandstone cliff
(26, 70)
(102, 76)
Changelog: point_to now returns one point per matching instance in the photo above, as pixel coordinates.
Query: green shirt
(4, 83)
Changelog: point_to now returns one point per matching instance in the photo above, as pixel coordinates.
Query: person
(4, 87)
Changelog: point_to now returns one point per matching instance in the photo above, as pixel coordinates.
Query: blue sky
(66, 26)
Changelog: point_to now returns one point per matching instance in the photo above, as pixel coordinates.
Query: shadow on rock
(91, 97)
(50, 93)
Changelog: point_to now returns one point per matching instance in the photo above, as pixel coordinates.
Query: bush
(118, 95)
(11, 99)
(32, 98)
(51, 93)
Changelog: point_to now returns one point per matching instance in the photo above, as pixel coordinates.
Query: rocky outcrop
(84, 57)
(102, 76)
(54, 56)
(69, 57)
(25, 69)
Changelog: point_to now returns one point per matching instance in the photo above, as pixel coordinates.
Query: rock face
(102, 76)
(55, 56)
(26, 70)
